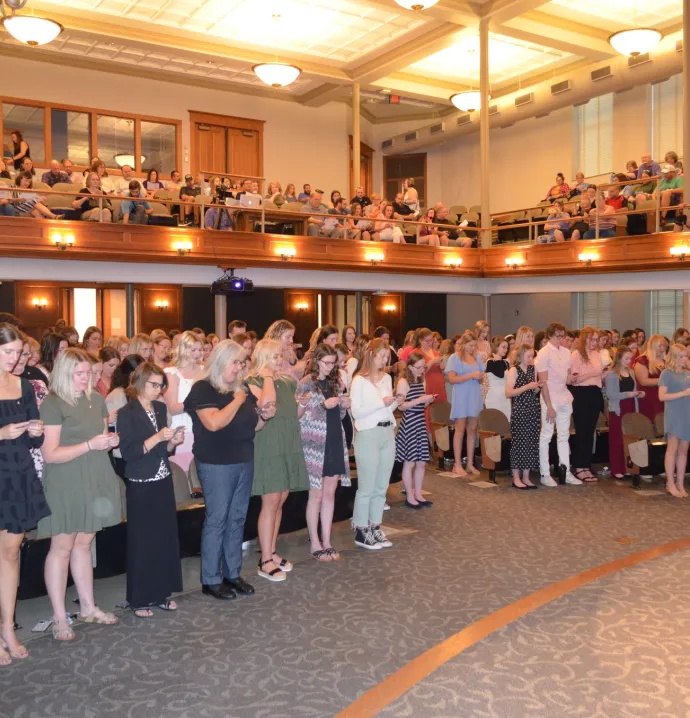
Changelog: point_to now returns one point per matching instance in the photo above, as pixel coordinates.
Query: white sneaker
(570, 479)
(548, 481)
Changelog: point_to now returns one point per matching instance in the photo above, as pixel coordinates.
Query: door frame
(368, 152)
(407, 156)
(229, 122)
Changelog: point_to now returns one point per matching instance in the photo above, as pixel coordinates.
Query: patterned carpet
(310, 646)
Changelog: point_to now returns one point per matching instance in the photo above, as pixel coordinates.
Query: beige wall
(511, 311)
(462, 311)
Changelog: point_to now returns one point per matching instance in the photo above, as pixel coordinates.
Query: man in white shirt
(122, 183)
(552, 364)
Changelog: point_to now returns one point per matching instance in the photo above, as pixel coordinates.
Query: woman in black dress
(525, 417)
(153, 551)
(22, 502)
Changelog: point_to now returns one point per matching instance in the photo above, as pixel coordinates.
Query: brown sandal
(100, 617)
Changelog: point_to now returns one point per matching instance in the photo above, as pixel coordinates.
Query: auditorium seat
(494, 423)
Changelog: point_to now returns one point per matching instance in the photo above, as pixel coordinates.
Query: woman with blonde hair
(120, 344)
(585, 382)
(279, 466)
(182, 373)
(465, 370)
(674, 393)
(142, 345)
(525, 335)
(496, 369)
(80, 486)
(162, 346)
(648, 367)
(283, 332)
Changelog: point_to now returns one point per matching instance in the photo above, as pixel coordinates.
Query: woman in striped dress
(412, 440)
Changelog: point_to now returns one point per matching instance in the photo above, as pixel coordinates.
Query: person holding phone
(22, 504)
(153, 552)
(80, 485)
(412, 439)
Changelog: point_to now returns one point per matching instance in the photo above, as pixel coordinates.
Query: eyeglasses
(328, 362)
(157, 384)
(239, 362)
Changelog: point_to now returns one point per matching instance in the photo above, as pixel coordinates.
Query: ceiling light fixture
(29, 29)
(468, 101)
(636, 41)
(276, 74)
(123, 160)
(416, 5)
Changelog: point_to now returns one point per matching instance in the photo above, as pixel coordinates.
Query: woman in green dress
(80, 486)
(278, 456)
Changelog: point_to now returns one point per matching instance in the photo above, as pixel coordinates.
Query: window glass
(594, 136)
(158, 143)
(29, 121)
(71, 136)
(115, 141)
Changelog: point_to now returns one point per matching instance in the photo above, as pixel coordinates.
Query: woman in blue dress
(464, 370)
(674, 392)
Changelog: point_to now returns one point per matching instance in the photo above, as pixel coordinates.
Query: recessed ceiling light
(386, 91)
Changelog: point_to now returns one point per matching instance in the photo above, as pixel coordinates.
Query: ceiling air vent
(524, 99)
(493, 110)
(411, 136)
(464, 120)
(437, 129)
(561, 87)
(601, 74)
(639, 60)
(386, 144)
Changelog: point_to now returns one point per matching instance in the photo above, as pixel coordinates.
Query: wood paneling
(36, 321)
(211, 148)
(305, 319)
(383, 315)
(243, 152)
(150, 317)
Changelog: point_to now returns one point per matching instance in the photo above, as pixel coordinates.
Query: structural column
(686, 78)
(487, 310)
(484, 128)
(129, 309)
(359, 319)
(356, 139)
(220, 306)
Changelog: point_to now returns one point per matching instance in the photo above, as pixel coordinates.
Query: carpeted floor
(310, 646)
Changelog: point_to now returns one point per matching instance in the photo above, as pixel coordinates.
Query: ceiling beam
(328, 92)
(501, 11)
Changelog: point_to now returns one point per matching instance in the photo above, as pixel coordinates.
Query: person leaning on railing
(607, 219)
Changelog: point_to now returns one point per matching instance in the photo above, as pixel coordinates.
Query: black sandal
(284, 564)
(586, 479)
(271, 575)
(165, 606)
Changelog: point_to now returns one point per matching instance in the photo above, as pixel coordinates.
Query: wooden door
(211, 148)
(366, 164)
(243, 152)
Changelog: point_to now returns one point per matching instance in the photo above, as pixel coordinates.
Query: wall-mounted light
(62, 241)
(390, 308)
(301, 306)
(588, 257)
(286, 253)
(453, 262)
(183, 246)
(161, 304)
(374, 257)
(515, 262)
(680, 252)
(39, 303)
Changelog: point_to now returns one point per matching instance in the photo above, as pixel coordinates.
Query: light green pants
(375, 456)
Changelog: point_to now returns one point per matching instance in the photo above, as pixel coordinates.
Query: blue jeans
(227, 490)
(7, 210)
(603, 233)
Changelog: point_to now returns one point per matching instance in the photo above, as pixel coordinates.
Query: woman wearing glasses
(153, 551)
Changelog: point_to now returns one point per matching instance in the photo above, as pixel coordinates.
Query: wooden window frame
(94, 113)
(411, 154)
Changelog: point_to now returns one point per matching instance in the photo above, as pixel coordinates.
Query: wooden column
(484, 129)
(356, 138)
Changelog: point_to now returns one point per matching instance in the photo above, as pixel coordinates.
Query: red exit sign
(393, 99)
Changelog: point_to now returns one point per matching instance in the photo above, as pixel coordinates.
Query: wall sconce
(680, 252)
(161, 304)
(374, 257)
(588, 257)
(301, 306)
(183, 246)
(62, 241)
(39, 304)
(286, 253)
(452, 262)
(515, 262)
(390, 308)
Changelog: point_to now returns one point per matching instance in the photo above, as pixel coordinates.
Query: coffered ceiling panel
(617, 14)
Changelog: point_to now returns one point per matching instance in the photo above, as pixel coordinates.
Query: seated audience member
(290, 195)
(375, 205)
(580, 185)
(24, 204)
(671, 158)
(360, 198)
(452, 236)
(218, 216)
(400, 209)
(174, 184)
(27, 165)
(211, 189)
(363, 225)
(645, 190)
(106, 184)
(316, 226)
(20, 150)
(334, 196)
(428, 232)
(188, 192)
(54, 175)
(647, 163)
(615, 199)
(607, 219)
(305, 194)
(385, 229)
(152, 183)
(245, 188)
(122, 184)
(560, 190)
(558, 225)
(4, 172)
(352, 231)
(87, 208)
(135, 210)
(411, 198)
(336, 226)
(68, 168)
(254, 185)
(275, 191)
(670, 188)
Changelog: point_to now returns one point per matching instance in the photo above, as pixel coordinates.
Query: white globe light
(123, 160)
(416, 5)
(468, 101)
(275, 74)
(636, 41)
(32, 30)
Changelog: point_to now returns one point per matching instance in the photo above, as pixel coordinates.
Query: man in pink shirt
(552, 364)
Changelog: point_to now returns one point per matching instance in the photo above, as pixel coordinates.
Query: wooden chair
(180, 483)
(456, 211)
(621, 225)
(476, 208)
(439, 417)
(660, 424)
(637, 427)
(493, 422)
(38, 185)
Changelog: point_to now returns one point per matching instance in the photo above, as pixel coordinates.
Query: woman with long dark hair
(52, 345)
(110, 359)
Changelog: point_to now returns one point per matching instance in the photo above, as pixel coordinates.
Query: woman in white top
(411, 198)
(496, 369)
(372, 408)
(184, 371)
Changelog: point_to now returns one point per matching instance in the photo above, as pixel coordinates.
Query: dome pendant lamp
(276, 74)
(416, 5)
(636, 40)
(28, 29)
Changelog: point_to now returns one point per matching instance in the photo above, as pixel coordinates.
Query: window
(595, 309)
(667, 311)
(115, 141)
(667, 117)
(30, 122)
(594, 136)
(158, 142)
(397, 168)
(71, 136)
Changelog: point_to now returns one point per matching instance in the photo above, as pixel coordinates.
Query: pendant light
(28, 29)
(416, 5)
(636, 40)
(276, 74)
(467, 101)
